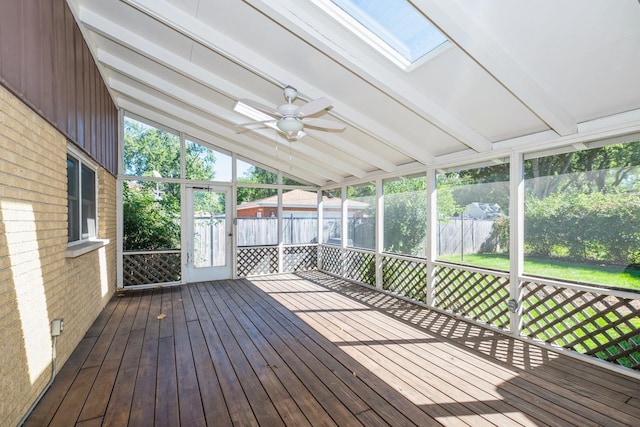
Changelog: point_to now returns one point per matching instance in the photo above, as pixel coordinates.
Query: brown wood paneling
(11, 41)
(85, 94)
(70, 75)
(32, 56)
(46, 75)
(60, 48)
(45, 61)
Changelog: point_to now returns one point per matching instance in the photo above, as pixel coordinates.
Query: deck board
(311, 349)
(142, 411)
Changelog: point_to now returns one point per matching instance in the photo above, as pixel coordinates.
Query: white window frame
(83, 161)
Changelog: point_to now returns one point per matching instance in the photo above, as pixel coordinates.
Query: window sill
(78, 249)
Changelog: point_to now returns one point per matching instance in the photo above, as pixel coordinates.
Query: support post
(120, 205)
(516, 240)
(320, 226)
(280, 225)
(344, 231)
(432, 247)
(379, 244)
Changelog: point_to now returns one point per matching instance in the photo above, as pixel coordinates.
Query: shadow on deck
(312, 349)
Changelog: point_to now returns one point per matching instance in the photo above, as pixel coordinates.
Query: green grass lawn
(608, 275)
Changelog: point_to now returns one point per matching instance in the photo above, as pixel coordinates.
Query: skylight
(393, 27)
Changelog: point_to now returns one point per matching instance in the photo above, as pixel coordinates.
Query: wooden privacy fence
(257, 231)
(454, 236)
(264, 231)
(464, 236)
(209, 242)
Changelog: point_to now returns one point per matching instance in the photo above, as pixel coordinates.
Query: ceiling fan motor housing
(287, 110)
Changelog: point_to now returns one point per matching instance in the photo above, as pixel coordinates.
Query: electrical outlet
(57, 326)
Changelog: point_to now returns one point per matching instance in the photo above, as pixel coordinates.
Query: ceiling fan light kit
(290, 125)
(290, 118)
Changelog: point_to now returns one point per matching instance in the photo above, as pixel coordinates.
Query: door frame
(198, 274)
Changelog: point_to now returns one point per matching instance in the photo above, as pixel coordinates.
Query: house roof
(300, 199)
(513, 76)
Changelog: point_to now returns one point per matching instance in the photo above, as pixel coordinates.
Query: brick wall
(37, 282)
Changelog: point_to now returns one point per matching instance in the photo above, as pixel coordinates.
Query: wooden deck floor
(310, 349)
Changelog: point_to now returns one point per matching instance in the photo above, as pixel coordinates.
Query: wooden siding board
(70, 76)
(88, 110)
(60, 80)
(47, 77)
(31, 58)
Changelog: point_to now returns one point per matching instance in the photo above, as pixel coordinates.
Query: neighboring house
(299, 204)
(478, 210)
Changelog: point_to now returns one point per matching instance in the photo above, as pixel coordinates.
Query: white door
(208, 234)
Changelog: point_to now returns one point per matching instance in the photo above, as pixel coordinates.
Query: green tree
(200, 162)
(585, 205)
(488, 184)
(147, 224)
(447, 205)
(151, 210)
(604, 169)
(405, 216)
(148, 149)
(256, 175)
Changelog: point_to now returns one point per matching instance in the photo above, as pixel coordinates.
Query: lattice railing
(148, 268)
(476, 294)
(299, 258)
(331, 259)
(360, 266)
(256, 260)
(405, 277)
(586, 321)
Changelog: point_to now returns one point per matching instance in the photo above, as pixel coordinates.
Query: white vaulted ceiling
(514, 75)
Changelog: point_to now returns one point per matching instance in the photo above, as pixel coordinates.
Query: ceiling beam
(207, 107)
(459, 27)
(148, 49)
(236, 142)
(209, 37)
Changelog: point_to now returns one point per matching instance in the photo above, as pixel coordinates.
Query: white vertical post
(320, 237)
(345, 230)
(119, 204)
(186, 238)
(431, 224)
(231, 204)
(379, 243)
(280, 225)
(516, 238)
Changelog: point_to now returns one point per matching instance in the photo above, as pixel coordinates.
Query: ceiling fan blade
(314, 107)
(323, 124)
(261, 107)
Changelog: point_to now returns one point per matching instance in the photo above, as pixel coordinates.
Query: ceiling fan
(290, 118)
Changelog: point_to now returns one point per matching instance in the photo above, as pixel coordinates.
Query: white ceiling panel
(512, 74)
